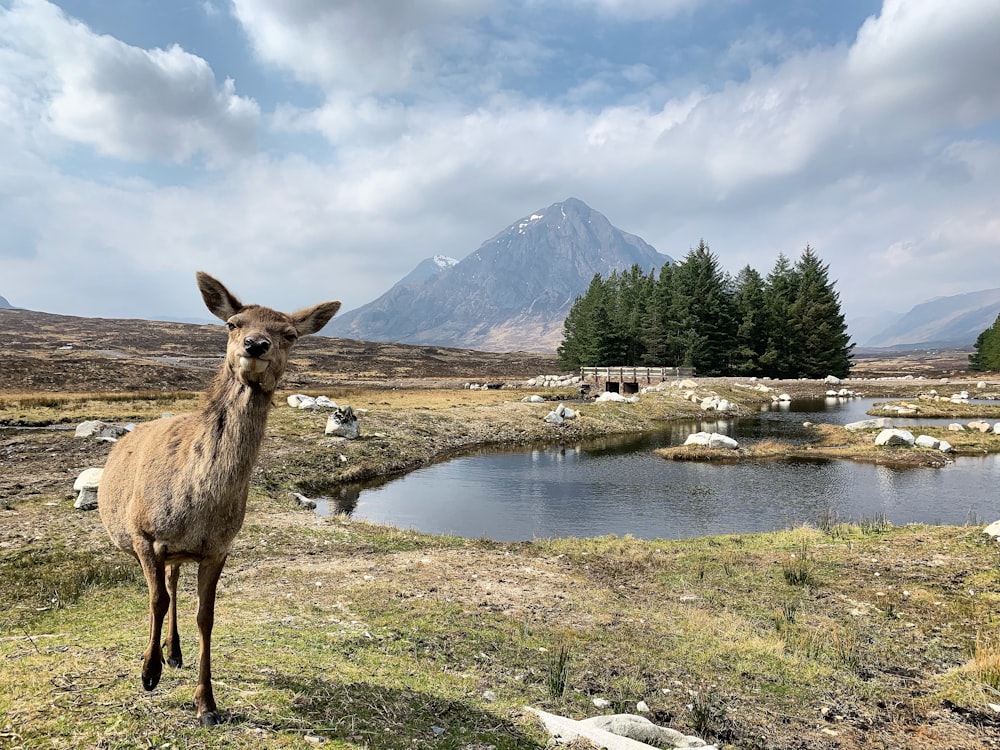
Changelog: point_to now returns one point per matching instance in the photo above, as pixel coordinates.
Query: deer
(175, 489)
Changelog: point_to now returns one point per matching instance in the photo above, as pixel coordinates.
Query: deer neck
(233, 419)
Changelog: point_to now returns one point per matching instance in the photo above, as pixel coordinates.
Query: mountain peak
(512, 293)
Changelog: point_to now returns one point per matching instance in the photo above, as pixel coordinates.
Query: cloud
(878, 153)
(124, 102)
(923, 58)
(363, 46)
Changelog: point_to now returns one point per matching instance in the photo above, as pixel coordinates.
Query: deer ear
(219, 300)
(313, 319)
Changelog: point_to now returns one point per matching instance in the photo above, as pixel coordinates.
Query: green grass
(356, 635)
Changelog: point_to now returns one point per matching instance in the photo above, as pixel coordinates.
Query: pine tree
(987, 349)
(656, 325)
(702, 313)
(780, 291)
(749, 301)
(822, 344)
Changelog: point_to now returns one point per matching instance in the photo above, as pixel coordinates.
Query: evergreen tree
(749, 301)
(584, 328)
(656, 325)
(822, 343)
(780, 292)
(702, 313)
(987, 349)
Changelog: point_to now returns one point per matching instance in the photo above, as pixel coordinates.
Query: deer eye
(231, 325)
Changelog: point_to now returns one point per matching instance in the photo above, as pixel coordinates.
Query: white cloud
(937, 61)
(125, 102)
(362, 46)
(852, 149)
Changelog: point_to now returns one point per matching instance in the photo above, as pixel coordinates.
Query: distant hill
(956, 320)
(512, 294)
(5, 305)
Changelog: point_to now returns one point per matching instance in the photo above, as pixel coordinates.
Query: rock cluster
(560, 414)
(554, 381)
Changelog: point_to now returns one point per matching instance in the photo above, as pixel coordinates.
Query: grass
(352, 635)
(343, 634)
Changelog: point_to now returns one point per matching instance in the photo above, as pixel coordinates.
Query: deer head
(260, 338)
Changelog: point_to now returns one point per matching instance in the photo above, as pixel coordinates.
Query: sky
(319, 149)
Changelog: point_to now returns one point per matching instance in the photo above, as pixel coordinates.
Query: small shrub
(558, 671)
(799, 569)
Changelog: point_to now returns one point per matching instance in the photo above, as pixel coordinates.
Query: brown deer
(175, 490)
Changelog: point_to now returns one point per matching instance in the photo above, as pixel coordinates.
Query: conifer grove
(987, 349)
(693, 314)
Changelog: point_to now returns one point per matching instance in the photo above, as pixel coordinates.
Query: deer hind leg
(154, 567)
(209, 571)
(172, 643)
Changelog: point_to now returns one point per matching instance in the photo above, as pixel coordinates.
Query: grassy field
(341, 634)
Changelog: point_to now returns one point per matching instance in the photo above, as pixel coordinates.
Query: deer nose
(255, 347)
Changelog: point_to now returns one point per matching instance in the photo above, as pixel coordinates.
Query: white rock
(88, 478)
(553, 418)
(894, 437)
(833, 379)
(945, 447)
(993, 530)
(326, 402)
(307, 402)
(343, 423)
(295, 399)
(956, 427)
(98, 429)
(926, 441)
(869, 424)
(979, 426)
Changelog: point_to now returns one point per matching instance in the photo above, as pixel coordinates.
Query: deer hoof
(151, 674)
(209, 718)
(175, 661)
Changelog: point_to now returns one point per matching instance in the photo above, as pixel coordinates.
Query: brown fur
(175, 490)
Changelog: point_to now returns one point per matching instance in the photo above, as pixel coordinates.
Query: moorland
(330, 632)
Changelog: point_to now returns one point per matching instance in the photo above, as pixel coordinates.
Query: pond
(617, 486)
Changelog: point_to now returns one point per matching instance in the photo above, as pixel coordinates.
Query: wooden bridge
(630, 379)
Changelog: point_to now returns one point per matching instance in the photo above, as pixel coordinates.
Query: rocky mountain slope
(956, 320)
(512, 294)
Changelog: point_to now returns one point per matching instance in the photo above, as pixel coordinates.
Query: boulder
(712, 440)
(553, 418)
(95, 428)
(641, 729)
(86, 484)
(894, 437)
(832, 379)
(617, 398)
(536, 399)
(869, 424)
(993, 530)
(565, 730)
(305, 502)
(926, 441)
(342, 422)
(979, 426)
(955, 427)
(325, 402)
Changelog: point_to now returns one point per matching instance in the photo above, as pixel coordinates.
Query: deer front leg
(153, 567)
(209, 571)
(172, 644)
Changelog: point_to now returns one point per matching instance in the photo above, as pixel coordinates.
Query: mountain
(5, 305)
(956, 320)
(512, 294)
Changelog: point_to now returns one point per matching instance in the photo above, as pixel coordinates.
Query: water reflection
(614, 485)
